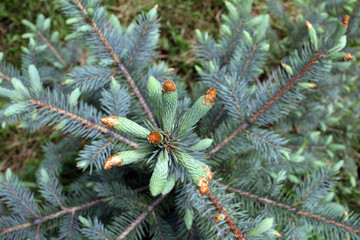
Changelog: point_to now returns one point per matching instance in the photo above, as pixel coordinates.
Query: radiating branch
(229, 221)
(84, 121)
(233, 42)
(261, 139)
(51, 216)
(3, 76)
(294, 80)
(116, 58)
(52, 49)
(15, 194)
(292, 209)
(63, 151)
(101, 150)
(140, 218)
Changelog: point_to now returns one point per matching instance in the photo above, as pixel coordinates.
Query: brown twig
(84, 121)
(70, 144)
(122, 67)
(229, 221)
(7, 78)
(308, 193)
(52, 48)
(213, 125)
(28, 208)
(261, 139)
(227, 55)
(292, 209)
(140, 218)
(265, 107)
(52, 216)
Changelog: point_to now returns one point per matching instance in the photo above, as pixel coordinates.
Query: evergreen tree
(251, 155)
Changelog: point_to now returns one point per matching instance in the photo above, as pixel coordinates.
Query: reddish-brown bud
(278, 234)
(219, 217)
(347, 57)
(110, 121)
(345, 21)
(346, 213)
(210, 97)
(203, 185)
(155, 138)
(312, 85)
(309, 25)
(168, 86)
(208, 173)
(113, 161)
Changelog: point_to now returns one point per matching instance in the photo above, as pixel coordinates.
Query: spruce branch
(213, 125)
(220, 209)
(292, 209)
(157, 225)
(59, 156)
(109, 143)
(140, 218)
(52, 48)
(20, 199)
(248, 59)
(3, 76)
(116, 58)
(261, 139)
(294, 80)
(233, 41)
(41, 220)
(84, 121)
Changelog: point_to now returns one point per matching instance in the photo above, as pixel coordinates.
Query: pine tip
(345, 21)
(203, 185)
(210, 97)
(208, 172)
(219, 217)
(113, 161)
(347, 57)
(110, 121)
(168, 86)
(155, 138)
(312, 85)
(309, 26)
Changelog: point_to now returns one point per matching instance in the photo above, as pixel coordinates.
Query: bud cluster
(169, 145)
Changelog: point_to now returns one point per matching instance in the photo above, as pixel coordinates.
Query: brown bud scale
(312, 85)
(168, 86)
(219, 217)
(155, 138)
(210, 97)
(110, 121)
(208, 172)
(347, 57)
(345, 21)
(309, 25)
(113, 161)
(203, 185)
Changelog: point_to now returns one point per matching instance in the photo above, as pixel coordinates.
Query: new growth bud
(220, 217)
(113, 161)
(347, 57)
(208, 173)
(309, 25)
(168, 86)
(203, 185)
(345, 21)
(111, 121)
(155, 138)
(210, 97)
